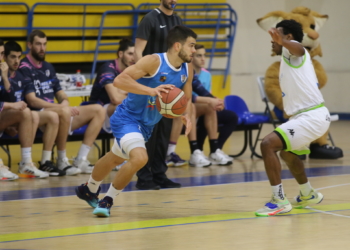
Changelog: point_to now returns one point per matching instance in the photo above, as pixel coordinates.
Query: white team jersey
(298, 83)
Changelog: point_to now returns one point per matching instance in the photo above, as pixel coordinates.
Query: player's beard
(124, 62)
(184, 57)
(37, 56)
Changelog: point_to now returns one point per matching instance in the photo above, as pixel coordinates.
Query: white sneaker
(117, 168)
(199, 160)
(31, 169)
(84, 165)
(63, 164)
(220, 158)
(313, 198)
(6, 174)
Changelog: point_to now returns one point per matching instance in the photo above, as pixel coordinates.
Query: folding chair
(246, 120)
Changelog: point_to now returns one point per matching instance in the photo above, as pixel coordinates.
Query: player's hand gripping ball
(172, 104)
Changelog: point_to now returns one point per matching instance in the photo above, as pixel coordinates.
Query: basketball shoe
(83, 192)
(31, 169)
(275, 206)
(301, 201)
(175, 160)
(220, 158)
(6, 174)
(104, 207)
(63, 164)
(50, 168)
(84, 165)
(199, 160)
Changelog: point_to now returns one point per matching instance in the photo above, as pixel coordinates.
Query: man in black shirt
(151, 38)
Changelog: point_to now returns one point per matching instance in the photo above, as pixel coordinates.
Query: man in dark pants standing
(151, 38)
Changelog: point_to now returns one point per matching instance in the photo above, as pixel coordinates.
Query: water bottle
(78, 82)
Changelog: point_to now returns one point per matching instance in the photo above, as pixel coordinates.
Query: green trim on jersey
(302, 63)
(285, 137)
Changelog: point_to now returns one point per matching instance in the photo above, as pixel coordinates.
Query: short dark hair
(12, 46)
(179, 33)
(35, 33)
(199, 46)
(1, 42)
(292, 27)
(124, 44)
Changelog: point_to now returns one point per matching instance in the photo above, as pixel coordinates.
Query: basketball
(172, 104)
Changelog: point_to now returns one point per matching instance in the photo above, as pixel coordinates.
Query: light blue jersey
(138, 113)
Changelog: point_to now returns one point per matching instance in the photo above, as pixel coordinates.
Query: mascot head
(311, 22)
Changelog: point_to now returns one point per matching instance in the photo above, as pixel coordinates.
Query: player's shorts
(303, 128)
(107, 124)
(70, 132)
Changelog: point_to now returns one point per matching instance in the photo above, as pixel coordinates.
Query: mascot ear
(271, 19)
(319, 19)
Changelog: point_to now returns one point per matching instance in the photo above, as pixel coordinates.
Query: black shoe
(147, 185)
(325, 152)
(167, 183)
(83, 192)
(49, 167)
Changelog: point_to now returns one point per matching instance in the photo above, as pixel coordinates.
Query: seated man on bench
(41, 93)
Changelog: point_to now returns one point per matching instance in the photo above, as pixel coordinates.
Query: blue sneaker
(84, 193)
(174, 160)
(104, 207)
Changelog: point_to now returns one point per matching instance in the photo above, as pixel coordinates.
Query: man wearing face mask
(151, 38)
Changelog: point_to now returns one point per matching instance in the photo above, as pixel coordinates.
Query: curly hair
(292, 27)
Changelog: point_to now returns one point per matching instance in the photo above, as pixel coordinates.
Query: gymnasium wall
(251, 52)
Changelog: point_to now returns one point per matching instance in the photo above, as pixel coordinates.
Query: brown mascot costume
(311, 22)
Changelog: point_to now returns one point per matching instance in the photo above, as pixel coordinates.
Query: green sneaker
(301, 201)
(275, 206)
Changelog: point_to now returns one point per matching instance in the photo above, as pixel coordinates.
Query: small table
(78, 92)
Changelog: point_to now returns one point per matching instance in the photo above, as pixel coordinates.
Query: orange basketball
(172, 104)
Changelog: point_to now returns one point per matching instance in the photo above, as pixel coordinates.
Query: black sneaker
(147, 185)
(167, 183)
(104, 207)
(83, 192)
(49, 167)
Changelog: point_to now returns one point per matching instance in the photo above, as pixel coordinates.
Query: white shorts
(301, 129)
(107, 125)
(122, 147)
(70, 132)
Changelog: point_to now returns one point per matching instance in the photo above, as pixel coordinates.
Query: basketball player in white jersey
(309, 120)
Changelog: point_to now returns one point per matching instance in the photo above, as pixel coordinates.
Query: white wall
(252, 49)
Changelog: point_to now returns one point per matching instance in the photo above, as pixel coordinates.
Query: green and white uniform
(303, 101)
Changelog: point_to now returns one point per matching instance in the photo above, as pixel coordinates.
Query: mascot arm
(320, 73)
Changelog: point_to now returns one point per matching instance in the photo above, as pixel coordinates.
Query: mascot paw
(325, 152)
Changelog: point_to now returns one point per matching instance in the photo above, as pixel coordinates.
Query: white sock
(46, 156)
(171, 148)
(93, 185)
(305, 189)
(83, 151)
(26, 155)
(61, 154)
(112, 191)
(278, 191)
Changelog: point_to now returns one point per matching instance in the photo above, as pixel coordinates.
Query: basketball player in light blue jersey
(134, 119)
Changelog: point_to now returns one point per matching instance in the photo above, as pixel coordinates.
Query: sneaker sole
(180, 164)
(268, 214)
(77, 192)
(200, 166)
(8, 179)
(101, 212)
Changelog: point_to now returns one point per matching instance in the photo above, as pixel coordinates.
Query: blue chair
(247, 120)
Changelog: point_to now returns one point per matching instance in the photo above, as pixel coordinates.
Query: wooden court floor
(213, 210)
